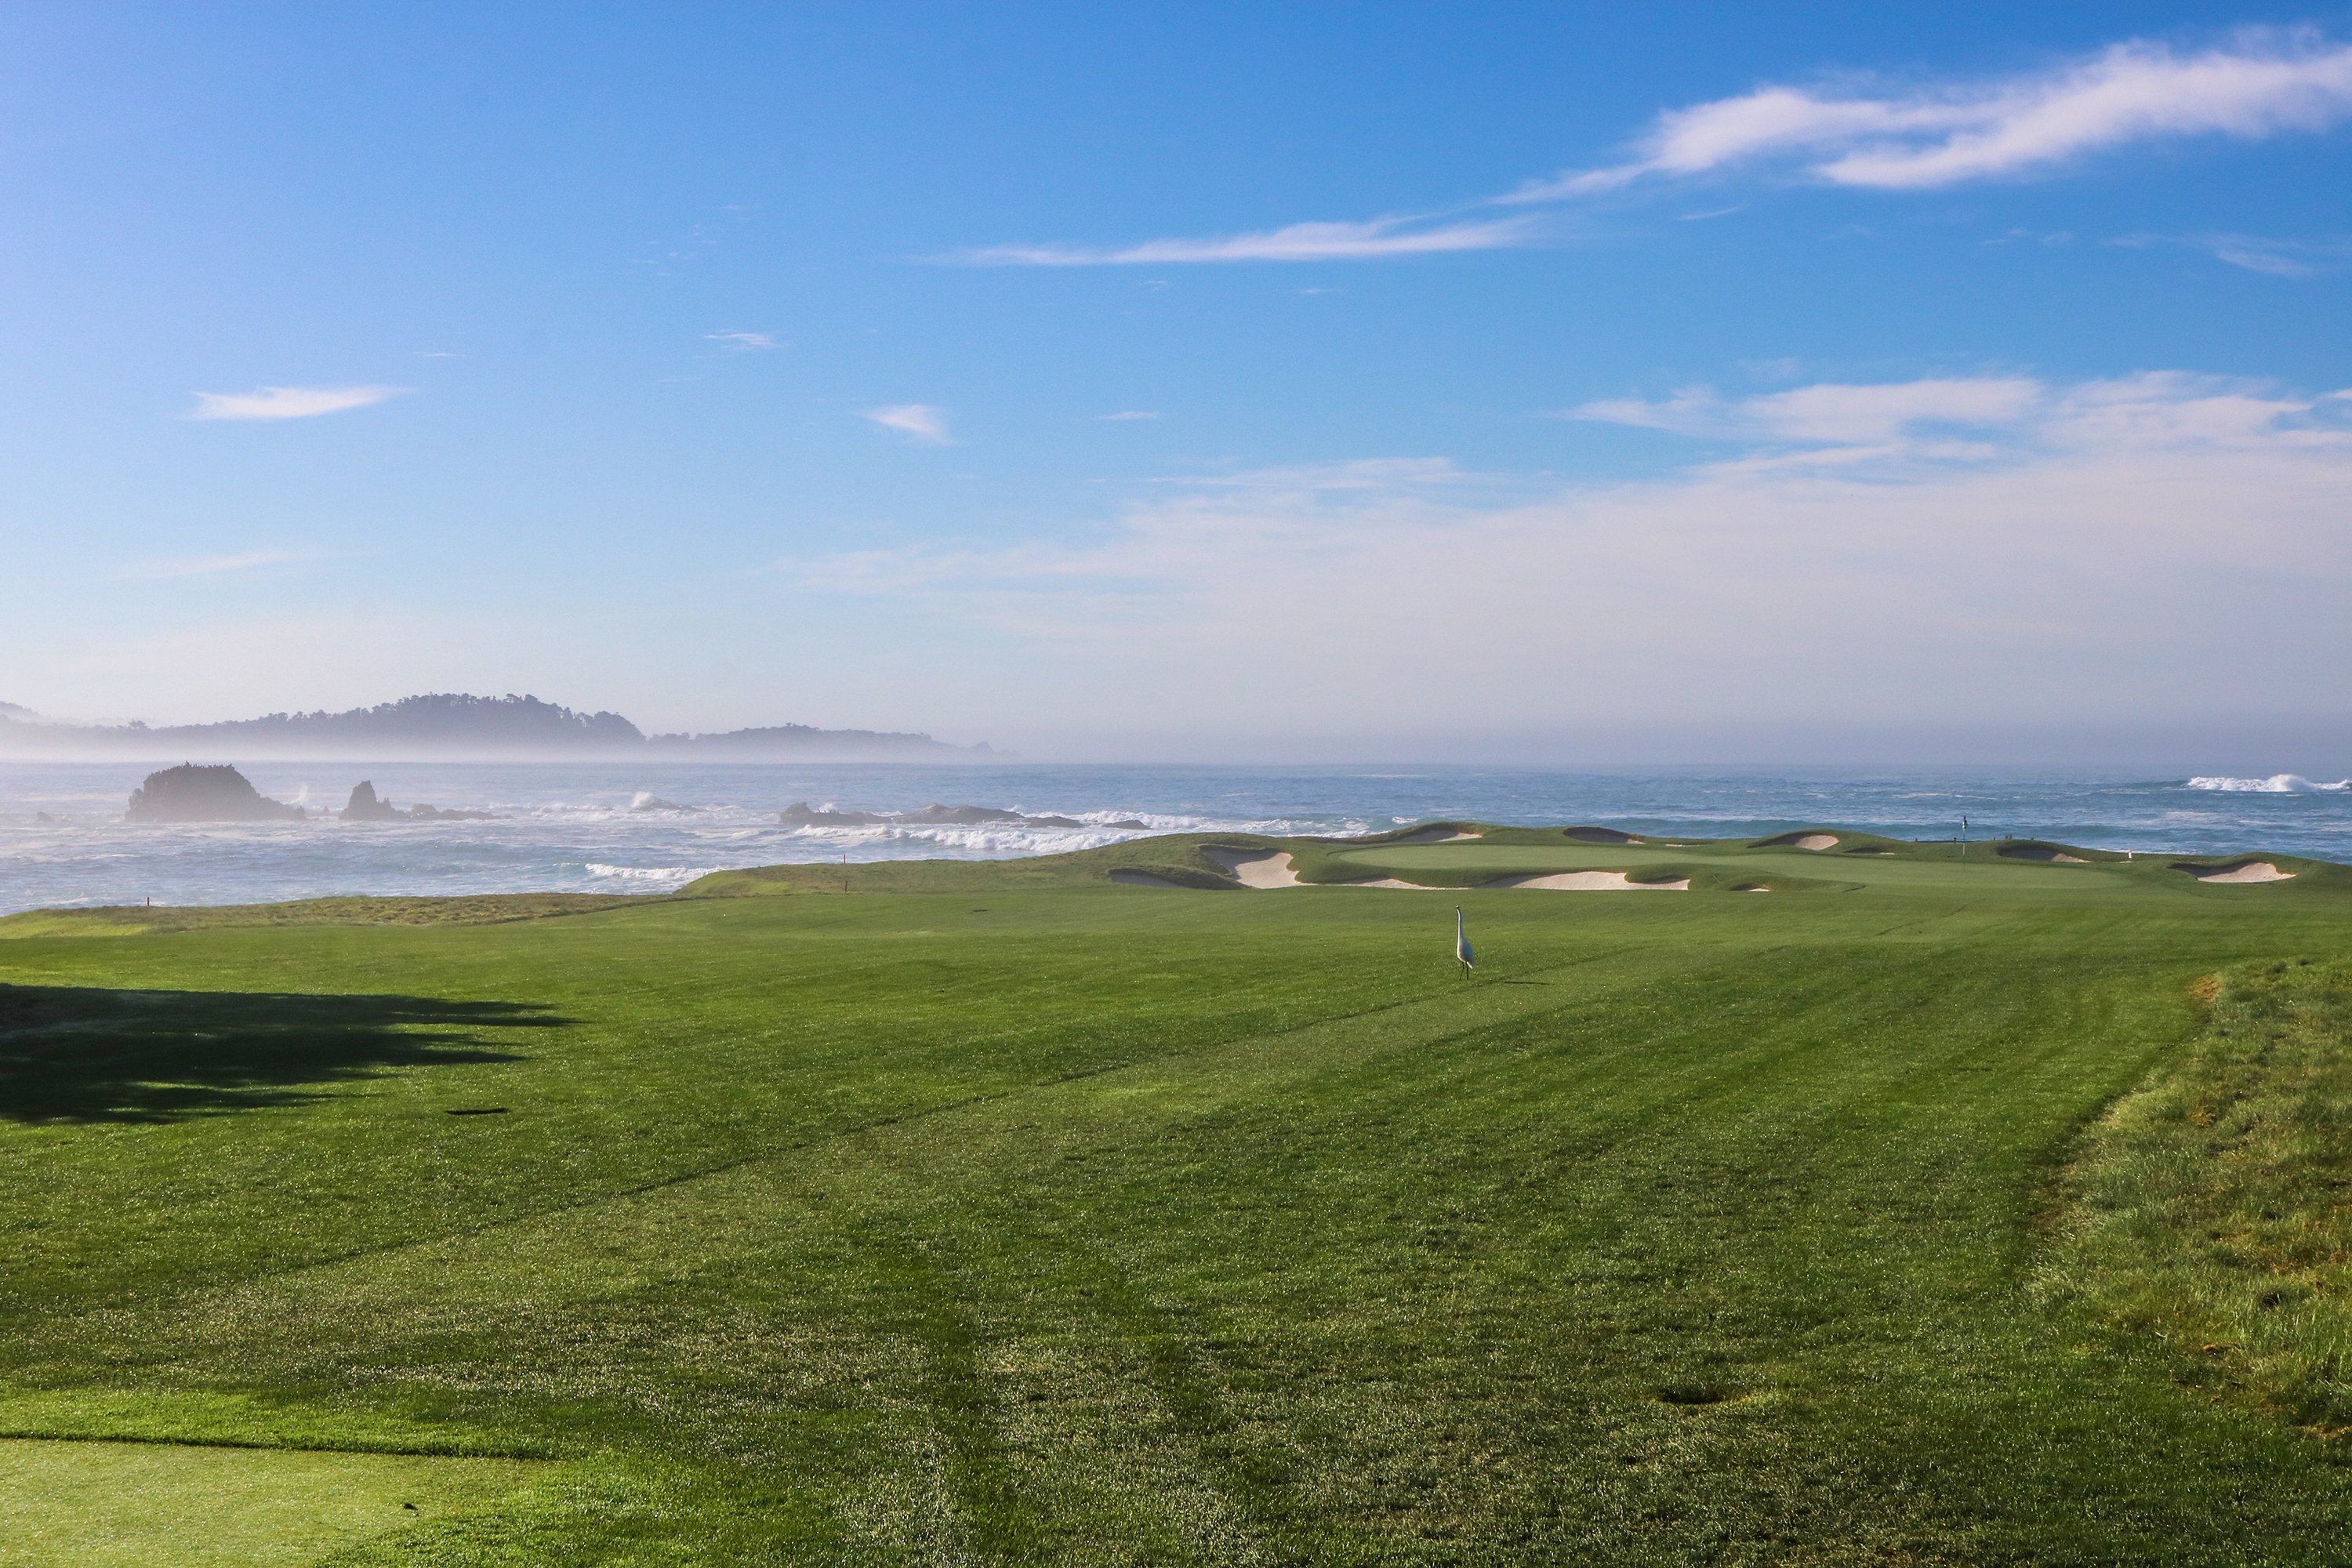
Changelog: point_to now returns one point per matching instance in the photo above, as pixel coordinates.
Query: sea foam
(657, 876)
(2277, 783)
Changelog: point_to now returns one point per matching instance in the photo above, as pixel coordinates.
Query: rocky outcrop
(192, 793)
(365, 807)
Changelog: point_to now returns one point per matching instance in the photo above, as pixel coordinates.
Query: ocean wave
(2277, 783)
(991, 839)
(998, 838)
(653, 876)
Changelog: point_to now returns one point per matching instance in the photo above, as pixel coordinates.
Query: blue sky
(1238, 381)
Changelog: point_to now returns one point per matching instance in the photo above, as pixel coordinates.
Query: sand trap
(1594, 882)
(1599, 836)
(1142, 879)
(2049, 852)
(1814, 841)
(1256, 868)
(1433, 836)
(2243, 871)
(1750, 888)
(1392, 882)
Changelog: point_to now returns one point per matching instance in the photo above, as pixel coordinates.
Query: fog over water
(605, 828)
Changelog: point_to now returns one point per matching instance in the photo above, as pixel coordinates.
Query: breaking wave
(652, 875)
(1095, 829)
(2277, 783)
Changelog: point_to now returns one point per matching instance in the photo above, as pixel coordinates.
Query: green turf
(2209, 1207)
(135, 1505)
(1014, 1217)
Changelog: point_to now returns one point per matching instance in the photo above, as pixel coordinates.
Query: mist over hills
(457, 726)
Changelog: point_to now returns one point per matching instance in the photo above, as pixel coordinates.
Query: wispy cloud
(1125, 413)
(2255, 253)
(920, 423)
(206, 565)
(1294, 242)
(1905, 427)
(288, 402)
(741, 340)
(2265, 83)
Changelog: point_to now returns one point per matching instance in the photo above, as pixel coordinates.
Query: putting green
(172, 1505)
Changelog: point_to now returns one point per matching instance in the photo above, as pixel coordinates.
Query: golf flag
(1462, 953)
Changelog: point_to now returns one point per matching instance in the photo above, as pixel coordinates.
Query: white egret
(1462, 953)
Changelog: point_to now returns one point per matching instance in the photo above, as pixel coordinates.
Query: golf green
(1924, 1212)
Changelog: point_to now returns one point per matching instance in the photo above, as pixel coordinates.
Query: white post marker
(1462, 953)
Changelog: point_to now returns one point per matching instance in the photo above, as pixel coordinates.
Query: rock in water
(365, 807)
(963, 816)
(191, 793)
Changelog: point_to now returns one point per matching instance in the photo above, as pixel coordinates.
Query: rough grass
(2211, 1208)
(485, 908)
(1032, 1222)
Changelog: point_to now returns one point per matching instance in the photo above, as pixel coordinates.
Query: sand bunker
(1142, 879)
(2241, 871)
(1439, 835)
(1814, 841)
(1750, 888)
(1594, 882)
(1599, 836)
(2049, 852)
(1392, 882)
(1256, 868)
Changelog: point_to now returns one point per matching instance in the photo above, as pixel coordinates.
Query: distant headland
(454, 726)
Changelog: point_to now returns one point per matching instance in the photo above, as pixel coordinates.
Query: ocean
(617, 828)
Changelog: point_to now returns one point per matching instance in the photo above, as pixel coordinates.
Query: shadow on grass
(77, 1054)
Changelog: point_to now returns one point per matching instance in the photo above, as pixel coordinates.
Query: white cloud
(1972, 419)
(1125, 413)
(1831, 415)
(288, 401)
(207, 566)
(2261, 86)
(2004, 550)
(920, 423)
(2255, 253)
(1294, 242)
(741, 340)
(2258, 256)
(2265, 83)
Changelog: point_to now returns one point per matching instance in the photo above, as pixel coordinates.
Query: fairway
(1002, 1213)
(124, 1505)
